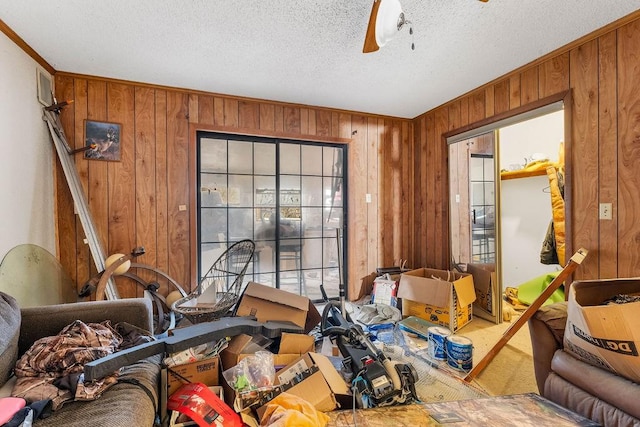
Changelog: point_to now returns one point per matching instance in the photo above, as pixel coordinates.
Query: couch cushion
(607, 386)
(9, 333)
(133, 401)
(555, 317)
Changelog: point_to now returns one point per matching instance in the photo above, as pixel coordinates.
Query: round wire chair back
(226, 275)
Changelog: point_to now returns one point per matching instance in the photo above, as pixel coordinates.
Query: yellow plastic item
(557, 210)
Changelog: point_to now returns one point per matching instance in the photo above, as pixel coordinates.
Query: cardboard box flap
(416, 285)
(278, 296)
(313, 317)
(594, 293)
(296, 343)
(601, 334)
(483, 275)
(331, 375)
(271, 304)
(465, 290)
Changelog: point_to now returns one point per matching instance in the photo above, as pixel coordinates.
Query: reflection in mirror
(501, 216)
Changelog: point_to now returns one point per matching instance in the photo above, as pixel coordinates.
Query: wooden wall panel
(146, 199)
(584, 159)
(162, 184)
(84, 265)
(603, 74)
(372, 168)
(431, 195)
(529, 86)
(66, 221)
(98, 179)
(502, 95)
(553, 75)
(178, 181)
(608, 158)
(357, 205)
(145, 177)
(441, 203)
(628, 149)
(121, 199)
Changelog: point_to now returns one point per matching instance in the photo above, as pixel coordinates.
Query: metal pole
(51, 116)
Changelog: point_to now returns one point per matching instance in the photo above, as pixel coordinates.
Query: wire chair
(226, 275)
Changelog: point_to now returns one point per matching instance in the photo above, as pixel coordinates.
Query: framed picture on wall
(102, 140)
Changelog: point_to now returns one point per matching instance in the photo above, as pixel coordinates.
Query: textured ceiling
(305, 51)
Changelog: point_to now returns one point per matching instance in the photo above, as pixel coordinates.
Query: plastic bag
(252, 372)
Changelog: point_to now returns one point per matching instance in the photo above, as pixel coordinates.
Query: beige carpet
(511, 370)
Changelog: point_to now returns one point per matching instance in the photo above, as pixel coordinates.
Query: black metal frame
(277, 238)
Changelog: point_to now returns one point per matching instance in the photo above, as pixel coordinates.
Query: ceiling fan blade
(370, 44)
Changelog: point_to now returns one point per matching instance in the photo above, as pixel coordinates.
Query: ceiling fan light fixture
(386, 20)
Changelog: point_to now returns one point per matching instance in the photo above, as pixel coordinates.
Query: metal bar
(51, 116)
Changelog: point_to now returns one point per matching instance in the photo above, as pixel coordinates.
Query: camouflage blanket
(53, 367)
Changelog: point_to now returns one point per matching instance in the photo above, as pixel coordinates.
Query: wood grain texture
(162, 184)
(205, 110)
(584, 158)
(66, 219)
(98, 179)
(441, 202)
(145, 178)
(358, 235)
(248, 115)
(502, 96)
(372, 171)
(553, 75)
(178, 192)
(84, 264)
(529, 86)
(121, 199)
(608, 152)
(628, 149)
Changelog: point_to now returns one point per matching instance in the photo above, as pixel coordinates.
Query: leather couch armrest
(546, 328)
(39, 322)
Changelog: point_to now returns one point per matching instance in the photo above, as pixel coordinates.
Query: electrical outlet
(367, 198)
(605, 211)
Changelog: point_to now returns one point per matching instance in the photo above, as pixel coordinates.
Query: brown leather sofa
(133, 401)
(592, 392)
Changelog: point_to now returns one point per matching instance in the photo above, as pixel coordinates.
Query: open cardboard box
(325, 389)
(438, 296)
(205, 371)
(488, 303)
(271, 304)
(292, 346)
(606, 336)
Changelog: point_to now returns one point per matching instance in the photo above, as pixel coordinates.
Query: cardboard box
(438, 296)
(606, 336)
(487, 292)
(237, 349)
(385, 291)
(323, 389)
(267, 303)
(206, 371)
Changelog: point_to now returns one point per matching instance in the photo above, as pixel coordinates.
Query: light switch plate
(605, 211)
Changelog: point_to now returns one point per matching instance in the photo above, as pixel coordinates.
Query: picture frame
(44, 87)
(102, 140)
